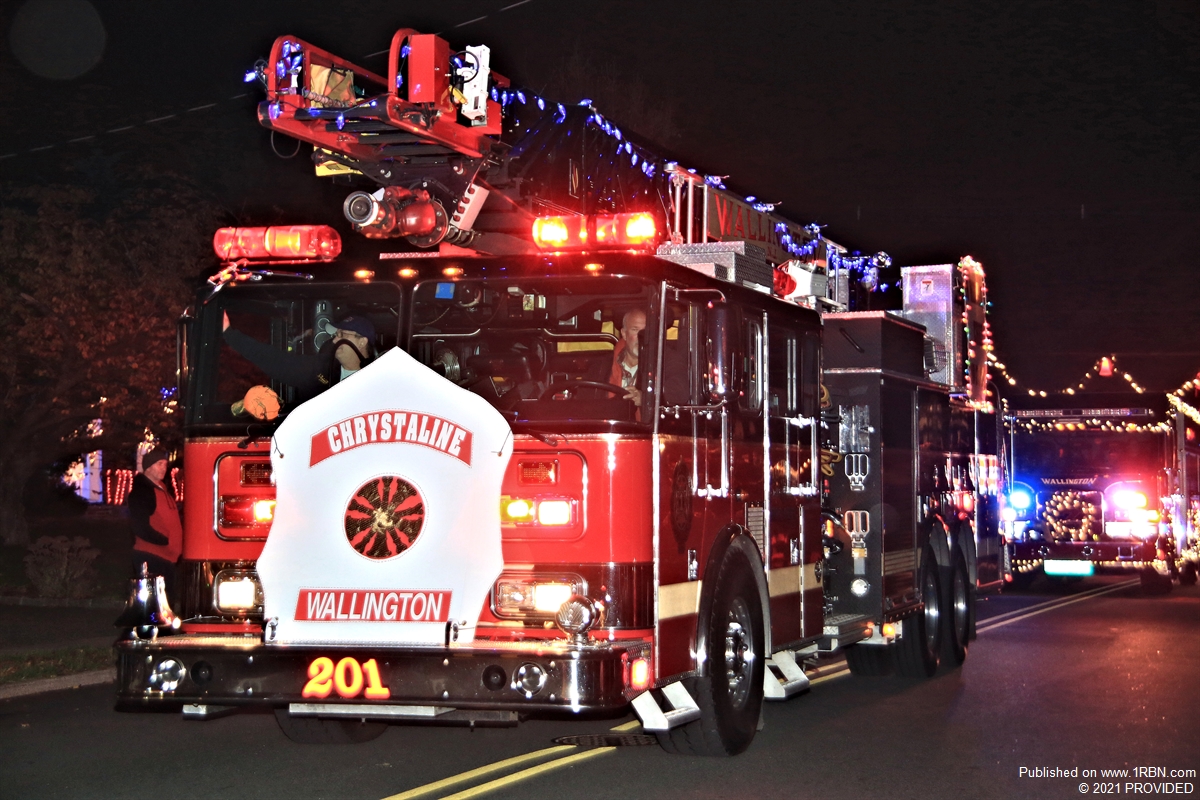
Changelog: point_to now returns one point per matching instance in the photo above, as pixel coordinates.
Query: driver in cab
(625, 355)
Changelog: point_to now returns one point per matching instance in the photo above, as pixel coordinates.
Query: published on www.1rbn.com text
(1125, 780)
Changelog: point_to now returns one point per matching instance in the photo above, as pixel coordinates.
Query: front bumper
(230, 670)
(1111, 556)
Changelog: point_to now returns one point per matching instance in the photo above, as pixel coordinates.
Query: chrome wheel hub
(739, 652)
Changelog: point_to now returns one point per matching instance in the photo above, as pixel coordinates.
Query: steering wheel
(556, 388)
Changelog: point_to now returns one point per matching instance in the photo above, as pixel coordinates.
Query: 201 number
(347, 678)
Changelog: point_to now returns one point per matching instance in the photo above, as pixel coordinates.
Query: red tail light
(317, 242)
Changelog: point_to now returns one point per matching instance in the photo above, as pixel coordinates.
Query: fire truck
(1104, 482)
(590, 462)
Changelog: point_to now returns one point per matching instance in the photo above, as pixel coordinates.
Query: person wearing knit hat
(154, 519)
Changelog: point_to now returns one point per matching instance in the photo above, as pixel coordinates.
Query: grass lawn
(51, 664)
(109, 535)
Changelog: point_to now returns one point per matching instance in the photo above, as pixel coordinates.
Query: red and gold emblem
(384, 517)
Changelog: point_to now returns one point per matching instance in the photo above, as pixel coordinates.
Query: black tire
(314, 730)
(870, 661)
(730, 695)
(958, 613)
(919, 648)
(1187, 574)
(1153, 583)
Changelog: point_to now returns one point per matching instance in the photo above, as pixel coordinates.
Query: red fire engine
(681, 515)
(1103, 481)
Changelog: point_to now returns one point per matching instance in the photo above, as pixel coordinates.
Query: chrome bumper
(216, 671)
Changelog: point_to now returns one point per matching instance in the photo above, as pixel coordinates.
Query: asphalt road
(1088, 676)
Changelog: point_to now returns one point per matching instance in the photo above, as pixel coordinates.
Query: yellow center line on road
(552, 754)
(628, 726)
(481, 772)
(532, 772)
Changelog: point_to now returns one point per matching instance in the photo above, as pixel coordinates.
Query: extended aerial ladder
(453, 155)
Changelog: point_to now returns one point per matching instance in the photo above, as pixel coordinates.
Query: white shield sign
(387, 522)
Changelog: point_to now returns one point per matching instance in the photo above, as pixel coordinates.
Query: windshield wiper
(545, 437)
(257, 431)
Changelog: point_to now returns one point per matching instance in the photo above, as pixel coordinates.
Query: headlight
(543, 511)
(1020, 499)
(1129, 499)
(245, 511)
(237, 591)
(166, 675)
(533, 596)
(264, 510)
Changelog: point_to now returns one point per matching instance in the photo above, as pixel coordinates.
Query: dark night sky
(1058, 143)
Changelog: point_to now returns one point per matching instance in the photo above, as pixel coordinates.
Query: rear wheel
(921, 633)
(869, 661)
(314, 730)
(958, 614)
(730, 695)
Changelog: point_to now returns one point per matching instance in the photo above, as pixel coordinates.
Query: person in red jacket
(154, 518)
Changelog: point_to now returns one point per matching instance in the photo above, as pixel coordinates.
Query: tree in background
(90, 287)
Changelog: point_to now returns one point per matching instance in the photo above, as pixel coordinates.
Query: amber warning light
(616, 231)
(287, 242)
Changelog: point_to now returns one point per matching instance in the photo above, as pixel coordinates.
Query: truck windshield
(279, 336)
(542, 350)
(1087, 454)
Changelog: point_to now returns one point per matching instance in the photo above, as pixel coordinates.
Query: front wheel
(314, 730)
(920, 642)
(730, 694)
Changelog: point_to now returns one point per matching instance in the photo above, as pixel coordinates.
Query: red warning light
(608, 231)
(560, 232)
(308, 242)
(639, 228)
(1106, 367)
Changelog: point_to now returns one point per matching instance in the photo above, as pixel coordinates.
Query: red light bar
(315, 242)
(560, 232)
(609, 231)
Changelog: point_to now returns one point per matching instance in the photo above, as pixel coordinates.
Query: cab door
(789, 448)
(693, 473)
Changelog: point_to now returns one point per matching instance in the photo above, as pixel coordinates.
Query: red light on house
(315, 242)
(1106, 367)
